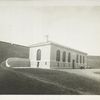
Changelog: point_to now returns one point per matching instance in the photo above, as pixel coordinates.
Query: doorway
(38, 63)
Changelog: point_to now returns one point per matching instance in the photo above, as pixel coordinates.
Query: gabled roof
(56, 44)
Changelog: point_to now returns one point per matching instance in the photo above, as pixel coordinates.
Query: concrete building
(52, 55)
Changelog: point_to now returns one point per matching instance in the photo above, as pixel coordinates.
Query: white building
(51, 55)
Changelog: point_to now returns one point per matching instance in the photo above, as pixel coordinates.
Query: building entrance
(38, 63)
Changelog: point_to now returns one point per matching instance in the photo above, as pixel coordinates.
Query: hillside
(43, 81)
(94, 61)
(12, 50)
(14, 82)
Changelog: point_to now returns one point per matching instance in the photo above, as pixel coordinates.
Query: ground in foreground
(42, 81)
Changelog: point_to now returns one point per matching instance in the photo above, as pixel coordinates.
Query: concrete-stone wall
(48, 57)
(45, 56)
(66, 64)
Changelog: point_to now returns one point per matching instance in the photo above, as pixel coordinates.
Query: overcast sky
(27, 22)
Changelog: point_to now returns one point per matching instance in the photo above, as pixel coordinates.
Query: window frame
(69, 57)
(38, 55)
(64, 56)
(58, 55)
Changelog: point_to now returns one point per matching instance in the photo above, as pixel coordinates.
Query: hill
(94, 61)
(43, 81)
(12, 50)
(14, 82)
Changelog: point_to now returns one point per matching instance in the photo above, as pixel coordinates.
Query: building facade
(51, 55)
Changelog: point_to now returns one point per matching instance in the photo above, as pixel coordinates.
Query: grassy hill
(43, 81)
(12, 50)
(14, 82)
(94, 61)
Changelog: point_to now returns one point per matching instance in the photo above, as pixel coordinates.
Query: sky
(70, 24)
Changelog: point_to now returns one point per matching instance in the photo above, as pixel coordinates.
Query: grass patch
(14, 82)
(44, 81)
(69, 81)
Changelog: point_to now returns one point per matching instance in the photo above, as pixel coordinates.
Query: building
(51, 55)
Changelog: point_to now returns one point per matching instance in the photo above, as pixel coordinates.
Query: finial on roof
(46, 37)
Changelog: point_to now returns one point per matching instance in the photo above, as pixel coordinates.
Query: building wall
(48, 57)
(66, 64)
(45, 56)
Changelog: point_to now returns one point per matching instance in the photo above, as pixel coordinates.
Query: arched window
(80, 59)
(64, 57)
(83, 59)
(69, 57)
(58, 55)
(38, 54)
(77, 58)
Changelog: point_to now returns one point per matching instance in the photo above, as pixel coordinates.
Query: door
(38, 63)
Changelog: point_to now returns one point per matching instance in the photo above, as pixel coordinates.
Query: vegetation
(94, 62)
(8, 50)
(43, 81)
